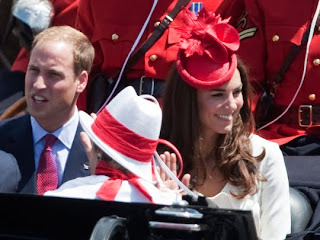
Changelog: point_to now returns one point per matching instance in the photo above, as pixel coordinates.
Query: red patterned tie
(47, 177)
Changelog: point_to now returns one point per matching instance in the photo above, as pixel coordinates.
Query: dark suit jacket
(9, 173)
(16, 138)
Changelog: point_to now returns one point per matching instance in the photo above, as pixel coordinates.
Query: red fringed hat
(206, 58)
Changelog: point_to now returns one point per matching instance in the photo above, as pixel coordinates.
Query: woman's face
(218, 108)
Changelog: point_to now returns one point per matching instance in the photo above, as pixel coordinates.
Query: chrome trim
(179, 212)
(177, 226)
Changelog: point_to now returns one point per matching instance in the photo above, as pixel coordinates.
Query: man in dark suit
(10, 174)
(60, 62)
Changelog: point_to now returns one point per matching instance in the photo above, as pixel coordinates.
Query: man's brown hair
(83, 51)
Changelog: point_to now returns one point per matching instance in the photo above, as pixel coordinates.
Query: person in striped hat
(124, 136)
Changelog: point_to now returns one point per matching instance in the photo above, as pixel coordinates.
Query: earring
(193, 182)
(99, 157)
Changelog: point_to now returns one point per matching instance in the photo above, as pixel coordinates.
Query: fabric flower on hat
(206, 57)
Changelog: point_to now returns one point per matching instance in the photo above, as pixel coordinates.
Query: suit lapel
(19, 142)
(77, 162)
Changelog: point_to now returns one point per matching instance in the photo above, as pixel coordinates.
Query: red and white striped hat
(127, 130)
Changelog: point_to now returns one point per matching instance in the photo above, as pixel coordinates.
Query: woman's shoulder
(257, 141)
(255, 137)
(259, 144)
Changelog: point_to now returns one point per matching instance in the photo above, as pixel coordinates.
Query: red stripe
(110, 188)
(122, 139)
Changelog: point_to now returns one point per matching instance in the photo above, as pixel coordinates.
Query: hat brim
(206, 84)
(141, 169)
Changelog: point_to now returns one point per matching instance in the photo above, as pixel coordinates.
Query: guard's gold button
(312, 97)
(318, 28)
(115, 37)
(316, 62)
(275, 38)
(153, 57)
(156, 24)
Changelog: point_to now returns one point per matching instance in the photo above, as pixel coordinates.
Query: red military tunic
(113, 26)
(65, 14)
(268, 30)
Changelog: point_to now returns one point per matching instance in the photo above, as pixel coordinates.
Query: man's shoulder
(8, 162)
(15, 121)
(10, 176)
(6, 158)
(14, 126)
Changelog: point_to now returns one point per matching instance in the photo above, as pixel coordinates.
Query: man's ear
(82, 81)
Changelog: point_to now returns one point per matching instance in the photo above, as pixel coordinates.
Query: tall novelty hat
(206, 57)
(127, 130)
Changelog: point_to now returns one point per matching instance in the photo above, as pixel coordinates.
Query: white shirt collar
(65, 133)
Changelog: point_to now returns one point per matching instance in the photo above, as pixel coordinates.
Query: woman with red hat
(207, 116)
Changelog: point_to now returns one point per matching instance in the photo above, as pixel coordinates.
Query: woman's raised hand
(170, 160)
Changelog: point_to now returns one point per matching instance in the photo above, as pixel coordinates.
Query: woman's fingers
(186, 179)
(170, 160)
(173, 163)
(161, 171)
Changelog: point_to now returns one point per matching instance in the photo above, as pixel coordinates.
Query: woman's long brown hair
(232, 152)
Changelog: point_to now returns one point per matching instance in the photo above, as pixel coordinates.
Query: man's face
(51, 86)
